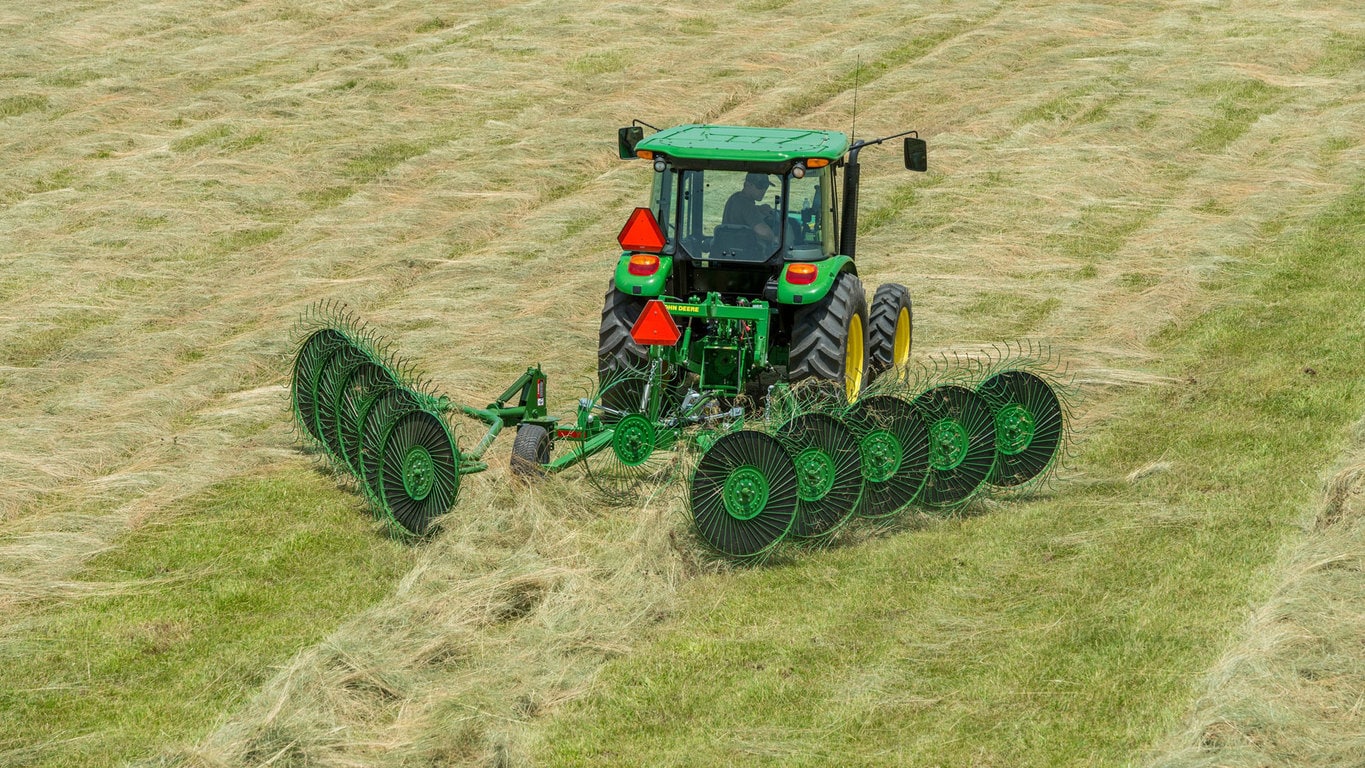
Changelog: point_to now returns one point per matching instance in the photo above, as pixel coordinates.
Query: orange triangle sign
(641, 233)
(655, 327)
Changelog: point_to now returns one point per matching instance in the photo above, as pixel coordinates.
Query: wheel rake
(934, 436)
(797, 466)
(373, 418)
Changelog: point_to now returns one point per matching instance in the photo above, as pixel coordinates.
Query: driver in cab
(742, 209)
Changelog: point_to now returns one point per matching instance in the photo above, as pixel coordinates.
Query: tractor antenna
(857, 71)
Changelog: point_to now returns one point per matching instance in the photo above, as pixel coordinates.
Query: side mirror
(627, 138)
(916, 154)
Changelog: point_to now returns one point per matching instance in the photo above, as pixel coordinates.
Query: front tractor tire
(890, 328)
(829, 339)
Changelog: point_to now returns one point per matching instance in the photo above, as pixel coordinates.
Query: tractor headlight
(799, 171)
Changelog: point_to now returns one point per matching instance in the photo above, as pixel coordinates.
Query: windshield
(738, 216)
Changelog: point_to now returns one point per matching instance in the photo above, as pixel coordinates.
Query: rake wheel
(313, 354)
(744, 494)
(894, 445)
(641, 449)
(379, 413)
(961, 444)
(362, 387)
(829, 474)
(419, 470)
(330, 387)
(1028, 426)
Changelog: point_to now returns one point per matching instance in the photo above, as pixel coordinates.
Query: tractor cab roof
(745, 145)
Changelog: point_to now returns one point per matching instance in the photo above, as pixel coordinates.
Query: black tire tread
(817, 347)
(530, 450)
(881, 324)
(616, 350)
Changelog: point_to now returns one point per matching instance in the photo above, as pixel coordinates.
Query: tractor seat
(735, 242)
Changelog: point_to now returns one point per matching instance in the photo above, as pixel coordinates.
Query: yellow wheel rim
(853, 359)
(900, 347)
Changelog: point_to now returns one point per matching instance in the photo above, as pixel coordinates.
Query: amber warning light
(641, 233)
(655, 326)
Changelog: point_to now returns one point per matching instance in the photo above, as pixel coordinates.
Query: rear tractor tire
(890, 328)
(829, 340)
(617, 352)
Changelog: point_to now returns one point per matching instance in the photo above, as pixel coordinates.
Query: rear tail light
(643, 264)
(802, 274)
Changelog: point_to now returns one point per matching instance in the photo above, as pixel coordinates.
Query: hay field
(183, 179)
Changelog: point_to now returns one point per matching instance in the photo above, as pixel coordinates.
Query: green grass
(203, 608)
(1066, 630)
(376, 162)
(1239, 103)
(13, 106)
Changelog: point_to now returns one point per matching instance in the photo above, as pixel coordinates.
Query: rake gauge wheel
(744, 494)
(961, 444)
(1028, 426)
(531, 450)
(894, 445)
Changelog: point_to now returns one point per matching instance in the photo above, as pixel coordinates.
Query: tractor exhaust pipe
(848, 235)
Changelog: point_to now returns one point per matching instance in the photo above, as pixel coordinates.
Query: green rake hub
(419, 472)
(633, 440)
(948, 444)
(745, 493)
(881, 456)
(1014, 428)
(815, 473)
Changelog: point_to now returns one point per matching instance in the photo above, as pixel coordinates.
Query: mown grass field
(1172, 195)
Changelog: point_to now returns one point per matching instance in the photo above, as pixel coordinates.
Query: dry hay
(450, 175)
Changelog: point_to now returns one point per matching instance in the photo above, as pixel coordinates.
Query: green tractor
(745, 224)
(737, 349)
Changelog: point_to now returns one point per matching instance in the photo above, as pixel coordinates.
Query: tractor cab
(745, 217)
(735, 204)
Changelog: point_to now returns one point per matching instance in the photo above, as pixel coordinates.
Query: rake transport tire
(531, 450)
(744, 494)
(829, 339)
(617, 352)
(890, 328)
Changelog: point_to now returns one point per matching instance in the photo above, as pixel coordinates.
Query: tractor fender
(642, 285)
(815, 291)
